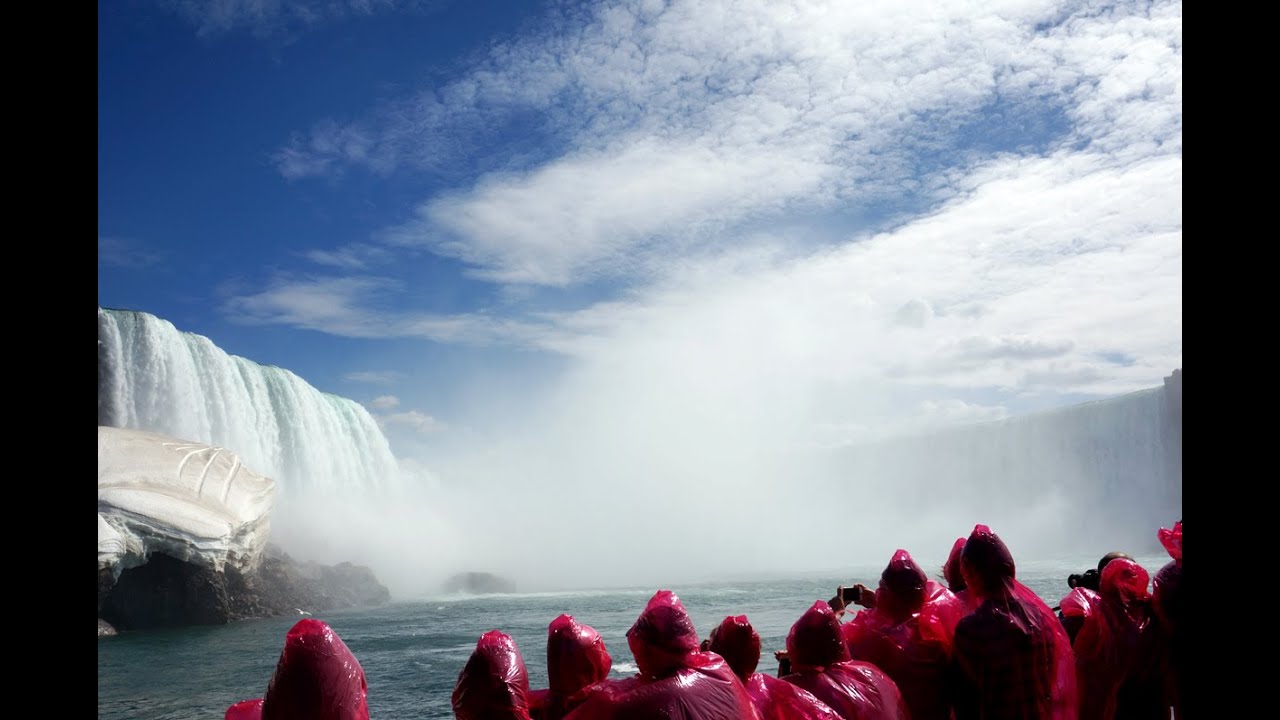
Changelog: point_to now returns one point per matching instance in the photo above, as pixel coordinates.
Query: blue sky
(812, 222)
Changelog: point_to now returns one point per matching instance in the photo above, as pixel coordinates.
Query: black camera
(1088, 579)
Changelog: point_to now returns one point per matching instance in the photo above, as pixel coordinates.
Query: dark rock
(479, 583)
(106, 581)
(166, 592)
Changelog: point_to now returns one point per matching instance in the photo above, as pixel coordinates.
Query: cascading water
(151, 376)
(1109, 469)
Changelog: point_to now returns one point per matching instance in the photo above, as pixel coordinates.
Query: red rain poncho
(1013, 654)
(576, 659)
(494, 684)
(317, 678)
(965, 601)
(1110, 639)
(820, 664)
(1167, 602)
(908, 634)
(739, 644)
(676, 682)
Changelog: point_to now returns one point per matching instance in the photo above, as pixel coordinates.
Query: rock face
(166, 592)
(478, 583)
(182, 540)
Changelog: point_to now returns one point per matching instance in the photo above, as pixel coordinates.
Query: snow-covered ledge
(192, 501)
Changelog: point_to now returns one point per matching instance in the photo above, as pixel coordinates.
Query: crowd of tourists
(980, 645)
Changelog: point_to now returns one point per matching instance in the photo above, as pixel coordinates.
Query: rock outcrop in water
(478, 583)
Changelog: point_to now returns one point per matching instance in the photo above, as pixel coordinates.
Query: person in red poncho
(576, 659)
(494, 684)
(1013, 659)
(739, 644)
(821, 665)
(676, 681)
(1110, 643)
(317, 678)
(955, 579)
(1167, 602)
(908, 634)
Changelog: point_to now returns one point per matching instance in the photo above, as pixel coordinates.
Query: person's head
(902, 587)
(663, 636)
(739, 644)
(1115, 555)
(1124, 580)
(576, 656)
(986, 563)
(815, 640)
(317, 676)
(951, 570)
(494, 684)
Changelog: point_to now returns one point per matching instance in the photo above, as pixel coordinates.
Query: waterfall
(151, 376)
(1110, 469)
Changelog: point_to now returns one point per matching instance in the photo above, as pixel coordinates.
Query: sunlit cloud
(673, 131)
(384, 402)
(418, 421)
(358, 256)
(374, 377)
(355, 307)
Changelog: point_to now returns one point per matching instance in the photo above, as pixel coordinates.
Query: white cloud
(357, 256)
(374, 377)
(355, 307)
(690, 118)
(384, 402)
(1045, 139)
(418, 421)
(1020, 299)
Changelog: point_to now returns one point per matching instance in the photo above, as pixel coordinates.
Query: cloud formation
(374, 377)
(684, 121)
(421, 422)
(384, 402)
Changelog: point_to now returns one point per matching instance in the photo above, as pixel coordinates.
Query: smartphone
(852, 594)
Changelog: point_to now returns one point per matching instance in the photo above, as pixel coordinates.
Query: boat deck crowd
(981, 646)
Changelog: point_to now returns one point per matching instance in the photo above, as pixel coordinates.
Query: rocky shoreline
(167, 592)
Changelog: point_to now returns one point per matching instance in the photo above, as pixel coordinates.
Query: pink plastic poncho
(317, 678)
(739, 644)
(1167, 603)
(964, 600)
(676, 682)
(909, 635)
(821, 665)
(576, 659)
(1014, 656)
(1110, 639)
(494, 684)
